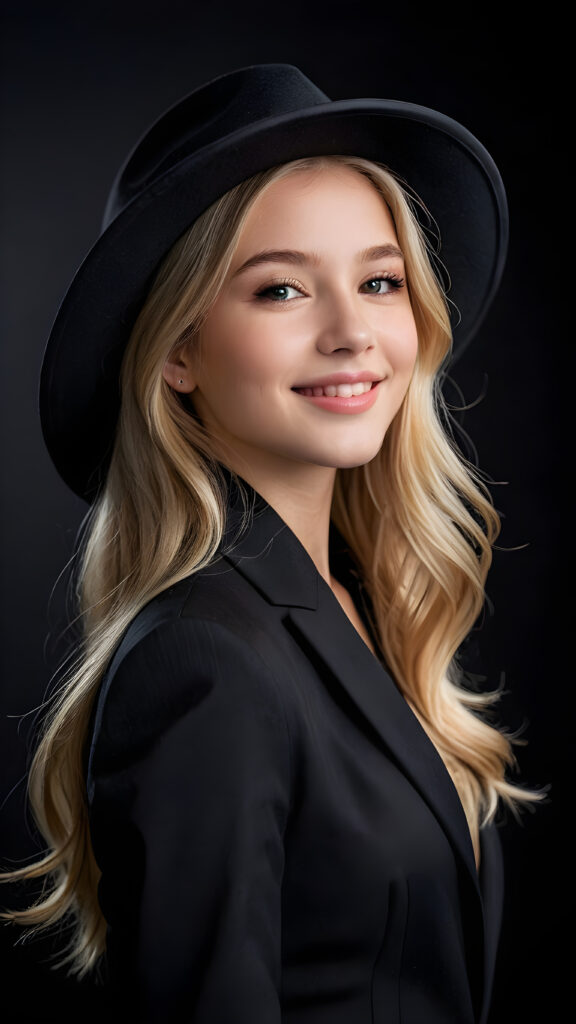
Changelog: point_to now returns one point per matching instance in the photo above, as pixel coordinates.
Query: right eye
(279, 292)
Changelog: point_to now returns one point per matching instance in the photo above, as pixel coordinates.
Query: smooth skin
(329, 297)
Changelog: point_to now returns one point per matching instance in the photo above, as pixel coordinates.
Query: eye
(280, 292)
(383, 284)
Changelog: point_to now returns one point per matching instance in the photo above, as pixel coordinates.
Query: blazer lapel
(328, 630)
(271, 557)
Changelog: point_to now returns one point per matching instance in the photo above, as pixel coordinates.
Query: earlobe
(178, 375)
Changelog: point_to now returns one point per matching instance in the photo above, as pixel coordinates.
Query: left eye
(381, 285)
(279, 292)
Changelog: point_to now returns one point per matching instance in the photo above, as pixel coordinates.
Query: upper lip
(341, 378)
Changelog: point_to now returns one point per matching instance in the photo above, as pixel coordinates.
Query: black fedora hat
(223, 133)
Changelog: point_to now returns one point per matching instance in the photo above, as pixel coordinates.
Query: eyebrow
(376, 252)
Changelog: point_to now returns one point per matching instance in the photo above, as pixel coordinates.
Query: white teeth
(337, 390)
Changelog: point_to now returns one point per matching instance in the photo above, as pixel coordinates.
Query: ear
(177, 371)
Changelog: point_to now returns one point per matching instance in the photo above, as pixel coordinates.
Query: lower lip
(348, 406)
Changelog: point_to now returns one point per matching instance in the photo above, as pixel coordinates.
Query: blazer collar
(266, 551)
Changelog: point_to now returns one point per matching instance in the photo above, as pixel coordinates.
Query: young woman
(267, 793)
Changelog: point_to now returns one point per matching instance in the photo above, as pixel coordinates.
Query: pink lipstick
(342, 393)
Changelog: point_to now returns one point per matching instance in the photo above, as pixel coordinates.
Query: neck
(302, 497)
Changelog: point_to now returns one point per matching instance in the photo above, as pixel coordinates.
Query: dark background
(81, 83)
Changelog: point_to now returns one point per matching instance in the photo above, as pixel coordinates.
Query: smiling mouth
(338, 390)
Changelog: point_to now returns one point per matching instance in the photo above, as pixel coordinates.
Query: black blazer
(279, 839)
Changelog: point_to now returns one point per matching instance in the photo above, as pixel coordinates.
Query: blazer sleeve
(192, 782)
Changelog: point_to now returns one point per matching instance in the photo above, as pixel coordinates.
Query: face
(307, 352)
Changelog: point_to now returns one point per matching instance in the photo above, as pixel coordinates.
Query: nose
(343, 327)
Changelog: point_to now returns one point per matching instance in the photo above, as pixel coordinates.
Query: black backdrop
(81, 82)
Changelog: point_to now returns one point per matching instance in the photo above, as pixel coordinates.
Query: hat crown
(224, 105)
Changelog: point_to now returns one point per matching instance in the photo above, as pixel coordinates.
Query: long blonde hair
(418, 517)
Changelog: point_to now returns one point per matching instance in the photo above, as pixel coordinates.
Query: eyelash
(284, 283)
(394, 280)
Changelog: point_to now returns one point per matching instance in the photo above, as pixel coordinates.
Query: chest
(352, 612)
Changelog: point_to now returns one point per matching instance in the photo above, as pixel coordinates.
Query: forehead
(321, 204)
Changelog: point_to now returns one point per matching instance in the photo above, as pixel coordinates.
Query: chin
(355, 463)
(356, 456)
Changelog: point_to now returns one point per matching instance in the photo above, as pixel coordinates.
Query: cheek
(220, 355)
(404, 350)
(410, 332)
(411, 353)
(240, 354)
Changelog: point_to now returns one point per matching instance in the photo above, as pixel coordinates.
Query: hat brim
(443, 163)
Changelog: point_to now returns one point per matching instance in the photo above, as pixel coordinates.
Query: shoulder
(196, 624)
(190, 650)
(214, 594)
